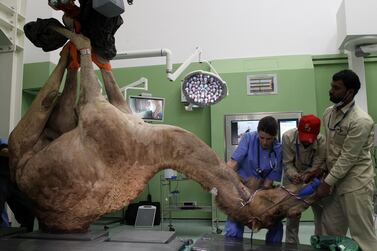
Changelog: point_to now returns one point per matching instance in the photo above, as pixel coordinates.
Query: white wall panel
(223, 28)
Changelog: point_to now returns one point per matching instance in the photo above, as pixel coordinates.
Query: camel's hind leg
(28, 130)
(89, 86)
(63, 117)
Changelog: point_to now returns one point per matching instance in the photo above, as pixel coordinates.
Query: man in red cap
(304, 157)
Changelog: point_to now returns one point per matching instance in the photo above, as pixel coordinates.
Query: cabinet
(172, 202)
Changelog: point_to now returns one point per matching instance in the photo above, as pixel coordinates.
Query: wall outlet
(189, 203)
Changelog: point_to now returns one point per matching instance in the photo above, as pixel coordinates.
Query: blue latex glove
(3, 141)
(4, 219)
(309, 188)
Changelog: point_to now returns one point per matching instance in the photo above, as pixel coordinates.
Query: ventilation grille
(261, 84)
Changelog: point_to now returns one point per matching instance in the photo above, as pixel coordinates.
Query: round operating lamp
(203, 88)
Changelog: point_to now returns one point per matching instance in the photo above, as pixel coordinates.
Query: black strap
(337, 125)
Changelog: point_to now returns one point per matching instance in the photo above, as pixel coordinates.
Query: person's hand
(323, 190)
(295, 179)
(308, 176)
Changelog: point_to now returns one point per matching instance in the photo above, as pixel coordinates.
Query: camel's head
(272, 205)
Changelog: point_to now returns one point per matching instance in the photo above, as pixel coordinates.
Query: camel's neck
(220, 180)
(172, 147)
(190, 156)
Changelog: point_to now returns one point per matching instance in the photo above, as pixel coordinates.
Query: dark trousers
(18, 202)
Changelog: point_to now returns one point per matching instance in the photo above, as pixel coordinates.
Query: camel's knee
(48, 101)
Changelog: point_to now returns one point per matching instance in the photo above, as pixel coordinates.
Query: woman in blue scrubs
(258, 157)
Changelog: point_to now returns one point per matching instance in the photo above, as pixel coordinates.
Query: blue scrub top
(246, 156)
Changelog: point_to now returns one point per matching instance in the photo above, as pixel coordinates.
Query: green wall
(303, 84)
(325, 67)
(35, 75)
(296, 92)
(371, 79)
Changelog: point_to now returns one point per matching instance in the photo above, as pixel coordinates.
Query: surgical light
(203, 88)
(200, 88)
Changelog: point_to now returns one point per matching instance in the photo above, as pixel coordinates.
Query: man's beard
(336, 99)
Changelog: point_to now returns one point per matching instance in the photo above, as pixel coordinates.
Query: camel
(80, 161)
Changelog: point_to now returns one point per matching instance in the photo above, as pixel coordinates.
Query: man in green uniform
(304, 157)
(349, 139)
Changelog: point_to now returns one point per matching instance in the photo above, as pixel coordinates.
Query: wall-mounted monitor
(147, 108)
(240, 127)
(285, 125)
(238, 124)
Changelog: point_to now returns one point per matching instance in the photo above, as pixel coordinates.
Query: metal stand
(215, 221)
(171, 228)
(251, 238)
(170, 205)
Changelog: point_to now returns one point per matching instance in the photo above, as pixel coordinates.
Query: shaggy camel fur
(78, 162)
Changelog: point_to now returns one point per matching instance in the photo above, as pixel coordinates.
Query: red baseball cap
(308, 128)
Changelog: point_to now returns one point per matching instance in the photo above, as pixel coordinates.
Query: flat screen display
(236, 125)
(285, 125)
(147, 108)
(240, 127)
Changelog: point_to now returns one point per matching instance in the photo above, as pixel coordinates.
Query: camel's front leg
(28, 130)
(114, 94)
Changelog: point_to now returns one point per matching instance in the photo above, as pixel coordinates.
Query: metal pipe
(134, 86)
(149, 53)
(185, 64)
(162, 53)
